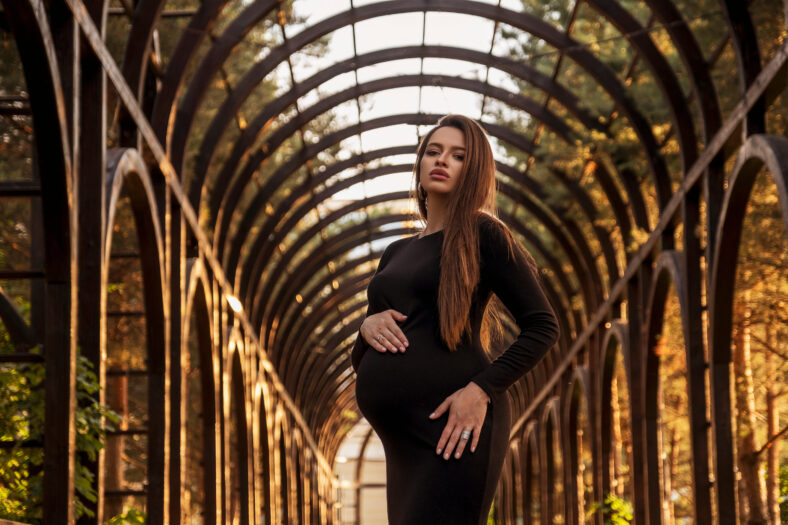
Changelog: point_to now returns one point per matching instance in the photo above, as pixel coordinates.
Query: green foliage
(129, 517)
(22, 419)
(614, 509)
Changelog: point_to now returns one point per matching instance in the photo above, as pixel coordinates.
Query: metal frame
(297, 401)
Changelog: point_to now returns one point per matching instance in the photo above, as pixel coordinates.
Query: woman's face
(443, 159)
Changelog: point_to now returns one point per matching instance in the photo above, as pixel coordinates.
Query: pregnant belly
(403, 388)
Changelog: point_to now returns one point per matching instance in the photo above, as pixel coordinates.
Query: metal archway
(606, 187)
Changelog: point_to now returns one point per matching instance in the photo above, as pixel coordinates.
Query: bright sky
(393, 31)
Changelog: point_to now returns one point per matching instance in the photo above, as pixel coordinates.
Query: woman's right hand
(382, 332)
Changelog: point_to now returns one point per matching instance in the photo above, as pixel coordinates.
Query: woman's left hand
(467, 408)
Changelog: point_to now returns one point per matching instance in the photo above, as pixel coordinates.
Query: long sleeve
(360, 345)
(510, 277)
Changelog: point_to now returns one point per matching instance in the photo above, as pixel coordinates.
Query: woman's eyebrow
(441, 145)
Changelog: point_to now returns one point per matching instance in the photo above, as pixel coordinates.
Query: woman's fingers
(441, 409)
(395, 329)
(399, 316)
(384, 345)
(466, 415)
(393, 341)
(445, 439)
(402, 341)
(475, 441)
(463, 441)
(456, 443)
(384, 333)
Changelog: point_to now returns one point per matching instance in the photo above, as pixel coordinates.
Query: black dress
(396, 392)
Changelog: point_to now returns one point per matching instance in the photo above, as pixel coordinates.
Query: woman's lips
(438, 175)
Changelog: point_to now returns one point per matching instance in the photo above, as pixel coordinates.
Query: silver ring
(378, 338)
(465, 434)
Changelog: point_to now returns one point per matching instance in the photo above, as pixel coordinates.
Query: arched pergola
(628, 136)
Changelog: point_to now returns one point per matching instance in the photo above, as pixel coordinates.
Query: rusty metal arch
(508, 502)
(127, 171)
(670, 270)
(252, 131)
(176, 69)
(135, 64)
(198, 301)
(270, 229)
(237, 382)
(661, 71)
(178, 133)
(220, 191)
(580, 388)
(748, 57)
(528, 454)
(278, 328)
(758, 151)
(616, 340)
(53, 153)
(521, 20)
(263, 429)
(550, 427)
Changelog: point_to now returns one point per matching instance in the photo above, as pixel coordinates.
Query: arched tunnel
(196, 194)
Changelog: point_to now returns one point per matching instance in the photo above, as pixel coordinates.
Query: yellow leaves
(597, 136)
(639, 237)
(771, 199)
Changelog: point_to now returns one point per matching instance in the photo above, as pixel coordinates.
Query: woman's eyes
(457, 156)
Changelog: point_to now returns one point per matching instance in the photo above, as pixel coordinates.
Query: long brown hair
(474, 194)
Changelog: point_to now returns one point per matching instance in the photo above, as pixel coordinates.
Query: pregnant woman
(424, 380)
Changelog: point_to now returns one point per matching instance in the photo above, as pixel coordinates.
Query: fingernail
(457, 455)
(446, 456)
(401, 348)
(406, 343)
(439, 451)
(431, 415)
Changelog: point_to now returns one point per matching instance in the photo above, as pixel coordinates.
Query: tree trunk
(618, 445)
(674, 445)
(772, 424)
(745, 408)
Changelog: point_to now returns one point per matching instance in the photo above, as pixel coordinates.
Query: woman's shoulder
(497, 245)
(492, 229)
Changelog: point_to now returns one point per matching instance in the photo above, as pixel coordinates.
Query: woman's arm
(513, 280)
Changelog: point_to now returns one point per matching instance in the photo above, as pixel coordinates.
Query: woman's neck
(436, 213)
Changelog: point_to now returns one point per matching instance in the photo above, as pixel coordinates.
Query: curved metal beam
(252, 132)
